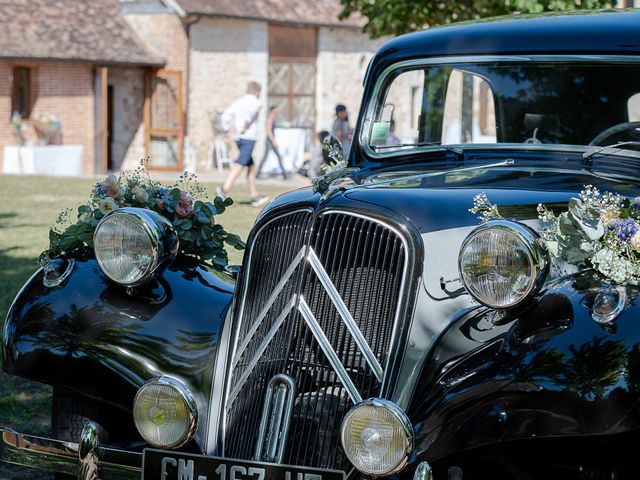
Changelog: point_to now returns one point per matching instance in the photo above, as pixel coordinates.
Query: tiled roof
(78, 30)
(307, 12)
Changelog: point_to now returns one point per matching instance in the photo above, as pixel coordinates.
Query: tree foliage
(395, 17)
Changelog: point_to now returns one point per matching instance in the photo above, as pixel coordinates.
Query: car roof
(602, 32)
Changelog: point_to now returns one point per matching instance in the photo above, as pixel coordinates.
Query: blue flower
(624, 229)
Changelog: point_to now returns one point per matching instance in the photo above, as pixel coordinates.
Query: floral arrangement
(185, 204)
(49, 129)
(598, 230)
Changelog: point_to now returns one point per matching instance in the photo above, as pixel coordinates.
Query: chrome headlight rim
(185, 395)
(537, 255)
(404, 421)
(155, 226)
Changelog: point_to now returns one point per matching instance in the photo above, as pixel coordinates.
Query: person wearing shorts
(242, 115)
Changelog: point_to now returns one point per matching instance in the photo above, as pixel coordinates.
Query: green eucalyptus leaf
(202, 218)
(174, 194)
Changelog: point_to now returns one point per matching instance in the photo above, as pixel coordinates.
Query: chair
(219, 151)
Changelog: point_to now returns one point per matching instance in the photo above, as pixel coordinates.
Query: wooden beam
(147, 111)
(103, 74)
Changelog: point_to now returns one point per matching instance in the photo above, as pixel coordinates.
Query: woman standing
(272, 144)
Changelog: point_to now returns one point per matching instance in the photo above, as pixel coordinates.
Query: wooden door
(164, 120)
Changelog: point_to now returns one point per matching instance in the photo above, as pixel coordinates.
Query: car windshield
(525, 101)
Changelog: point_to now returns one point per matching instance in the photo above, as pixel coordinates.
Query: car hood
(441, 202)
(435, 200)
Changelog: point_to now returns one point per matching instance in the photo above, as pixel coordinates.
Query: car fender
(550, 370)
(104, 340)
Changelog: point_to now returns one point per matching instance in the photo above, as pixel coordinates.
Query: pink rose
(184, 209)
(111, 186)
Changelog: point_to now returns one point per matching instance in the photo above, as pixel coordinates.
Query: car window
(633, 105)
(400, 116)
(469, 110)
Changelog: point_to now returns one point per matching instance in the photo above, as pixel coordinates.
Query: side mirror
(332, 151)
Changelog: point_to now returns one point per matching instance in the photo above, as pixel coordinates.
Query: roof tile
(74, 30)
(315, 12)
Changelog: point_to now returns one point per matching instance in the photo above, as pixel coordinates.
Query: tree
(395, 17)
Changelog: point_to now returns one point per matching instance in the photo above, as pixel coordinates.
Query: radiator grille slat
(365, 261)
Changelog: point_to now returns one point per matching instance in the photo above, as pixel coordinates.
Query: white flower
(615, 266)
(486, 210)
(140, 194)
(107, 204)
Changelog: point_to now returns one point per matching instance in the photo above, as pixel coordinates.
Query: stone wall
(61, 89)
(225, 54)
(343, 57)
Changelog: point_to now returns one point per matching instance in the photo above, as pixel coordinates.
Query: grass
(28, 207)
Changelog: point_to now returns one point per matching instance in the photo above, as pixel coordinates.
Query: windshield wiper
(458, 151)
(593, 153)
(398, 145)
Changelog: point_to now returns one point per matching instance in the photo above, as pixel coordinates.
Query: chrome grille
(320, 306)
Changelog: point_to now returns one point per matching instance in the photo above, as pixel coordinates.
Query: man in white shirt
(242, 117)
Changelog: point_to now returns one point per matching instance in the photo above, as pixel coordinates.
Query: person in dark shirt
(272, 144)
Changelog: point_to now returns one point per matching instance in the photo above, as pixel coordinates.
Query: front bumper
(87, 459)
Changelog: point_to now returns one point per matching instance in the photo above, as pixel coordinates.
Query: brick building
(53, 61)
(129, 78)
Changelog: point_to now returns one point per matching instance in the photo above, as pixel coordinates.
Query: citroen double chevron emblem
(276, 417)
(298, 302)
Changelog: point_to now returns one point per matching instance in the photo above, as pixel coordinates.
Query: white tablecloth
(59, 160)
(291, 148)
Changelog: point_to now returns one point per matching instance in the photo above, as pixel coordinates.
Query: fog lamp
(165, 413)
(131, 244)
(377, 437)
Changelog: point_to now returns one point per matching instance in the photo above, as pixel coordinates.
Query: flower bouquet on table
(49, 129)
(599, 230)
(185, 204)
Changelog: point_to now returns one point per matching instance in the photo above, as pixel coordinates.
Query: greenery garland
(185, 204)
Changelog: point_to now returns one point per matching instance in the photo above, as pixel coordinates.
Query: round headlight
(502, 264)
(165, 413)
(131, 243)
(377, 437)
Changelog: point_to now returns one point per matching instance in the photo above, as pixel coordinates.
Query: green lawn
(28, 207)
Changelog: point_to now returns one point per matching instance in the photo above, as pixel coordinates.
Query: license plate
(166, 465)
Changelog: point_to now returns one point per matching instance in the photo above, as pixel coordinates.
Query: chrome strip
(63, 457)
(329, 352)
(342, 309)
(258, 353)
(88, 463)
(215, 422)
(272, 298)
(282, 411)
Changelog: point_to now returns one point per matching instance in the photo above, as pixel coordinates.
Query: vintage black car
(356, 340)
